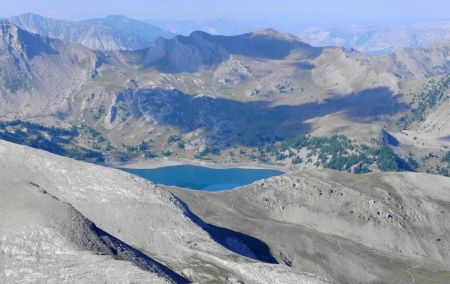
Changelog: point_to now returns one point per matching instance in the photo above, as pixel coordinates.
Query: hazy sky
(283, 11)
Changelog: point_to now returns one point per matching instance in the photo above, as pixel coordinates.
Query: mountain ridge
(179, 229)
(104, 35)
(201, 49)
(170, 233)
(228, 81)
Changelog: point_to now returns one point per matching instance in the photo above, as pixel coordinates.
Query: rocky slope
(374, 228)
(110, 33)
(38, 74)
(46, 240)
(318, 225)
(200, 49)
(153, 223)
(145, 32)
(413, 63)
(237, 91)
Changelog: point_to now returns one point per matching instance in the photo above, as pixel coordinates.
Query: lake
(203, 178)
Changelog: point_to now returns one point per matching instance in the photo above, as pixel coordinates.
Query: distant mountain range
(211, 26)
(366, 38)
(105, 91)
(379, 39)
(110, 33)
(121, 33)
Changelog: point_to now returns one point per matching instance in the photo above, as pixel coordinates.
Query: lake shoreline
(162, 162)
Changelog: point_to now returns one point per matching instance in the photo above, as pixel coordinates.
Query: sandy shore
(164, 162)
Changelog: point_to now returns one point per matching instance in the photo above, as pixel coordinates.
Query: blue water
(202, 178)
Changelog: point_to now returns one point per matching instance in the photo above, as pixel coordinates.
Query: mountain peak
(26, 43)
(202, 50)
(29, 17)
(199, 33)
(276, 34)
(117, 17)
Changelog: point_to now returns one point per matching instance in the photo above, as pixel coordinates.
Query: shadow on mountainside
(228, 122)
(201, 50)
(122, 251)
(236, 242)
(88, 236)
(36, 45)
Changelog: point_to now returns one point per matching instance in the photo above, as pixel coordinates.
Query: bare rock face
(110, 33)
(38, 74)
(135, 221)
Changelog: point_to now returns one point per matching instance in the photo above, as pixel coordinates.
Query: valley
(285, 229)
(130, 154)
(238, 101)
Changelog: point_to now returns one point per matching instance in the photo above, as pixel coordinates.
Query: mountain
(348, 228)
(200, 49)
(379, 39)
(367, 38)
(146, 32)
(118, 32)
(90, 223)
(53, 241)
(413, 63)
(48, 234)
(427, 125)
(110, 33)
(38, 73)
(265, 95)
(213, 26)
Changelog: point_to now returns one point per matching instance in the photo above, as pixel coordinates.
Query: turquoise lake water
(203, 178)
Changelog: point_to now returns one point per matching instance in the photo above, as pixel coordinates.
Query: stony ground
(142, 232)
(373, 228)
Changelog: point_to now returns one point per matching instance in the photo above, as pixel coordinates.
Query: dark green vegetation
(208, 150)
(80, 143)
(336, 152)
(431, 95)
(15, 83)
(59, 141)
(445, 169)
(446, 158)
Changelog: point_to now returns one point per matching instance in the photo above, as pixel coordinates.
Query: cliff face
(99, 34)
(38, 74)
